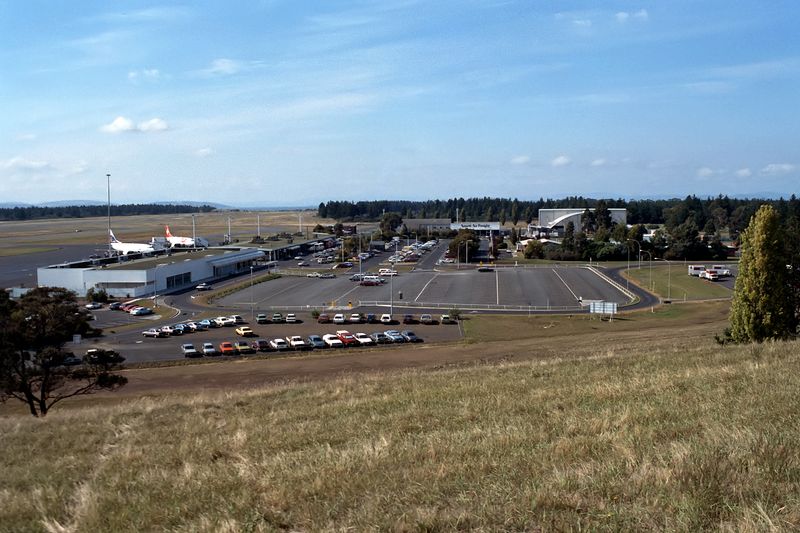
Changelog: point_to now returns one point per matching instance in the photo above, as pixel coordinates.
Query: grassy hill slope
(666, 435)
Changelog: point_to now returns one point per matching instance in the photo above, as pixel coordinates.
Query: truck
(696, 270)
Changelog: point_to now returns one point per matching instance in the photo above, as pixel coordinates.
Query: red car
(347, 338)
(226, 348)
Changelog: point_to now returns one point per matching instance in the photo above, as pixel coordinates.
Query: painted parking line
(567, 286)
(425, 287)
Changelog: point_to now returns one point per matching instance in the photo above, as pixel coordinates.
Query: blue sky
(277, 103)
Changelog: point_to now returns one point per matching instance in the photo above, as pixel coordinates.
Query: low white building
(151, 275)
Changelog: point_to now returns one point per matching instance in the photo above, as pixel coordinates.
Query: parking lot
(555, 287)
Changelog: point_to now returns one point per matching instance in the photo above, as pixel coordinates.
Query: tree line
(708, 214)
(84, 211)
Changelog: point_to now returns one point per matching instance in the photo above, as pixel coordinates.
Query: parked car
(278, 345)
(153, 332)
(168, 330)
(327, 276)
(332, 341)
(115, 306)
(313, 275)
(94, 305)
(261, 318)
(245, 331)
(410, 336)
(355, 318)
(226, 348)
(409, 319)
(426, 319)
(296, 342)
(347, 338)
(324, 318)
(338, 318)
(96, 356)
(201, 325)
(243, 347)
(237, 319)
(206, 323)
(380, 338)
(394, 335)
(71, 360)
(204, 287)
(139, 311)
(261, 345)
(315, 341)
(208, 349)
(356, 277)
(371, 318)
(447, 319)
(386, 318)
(364, 339)
(190, 351)
(291, 318)
(277, 318)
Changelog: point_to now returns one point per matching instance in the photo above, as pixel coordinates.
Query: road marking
(565, 284)
(348, 292)
(425, 287)
(497, 285)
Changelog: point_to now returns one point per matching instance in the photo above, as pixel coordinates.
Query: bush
(455, 313)
(315, 314)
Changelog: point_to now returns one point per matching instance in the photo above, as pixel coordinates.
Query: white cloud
(123, 124)
(598, 162)
(584, 23)
(561, 161)
(622, 17)
(118, 125)
(204, 152)
(743, 173)
(148, 74)
(154, 124)
(705, 172)
(21, 163)
(775, 169)
(227, 67)
(520, 160)
(641, 14)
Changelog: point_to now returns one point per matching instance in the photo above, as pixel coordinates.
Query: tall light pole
(650, 285)
(669, 278)
(194, 233)
(108, 189)
(252, 304)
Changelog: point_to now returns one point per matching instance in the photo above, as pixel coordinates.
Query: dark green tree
(568, 242)
(534, 250)
(763, 306)
(33, 332)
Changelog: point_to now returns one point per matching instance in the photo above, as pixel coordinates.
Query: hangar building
(553, 221)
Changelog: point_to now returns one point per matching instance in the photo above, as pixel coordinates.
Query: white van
(696, 270)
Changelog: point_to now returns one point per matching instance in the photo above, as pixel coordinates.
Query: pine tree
(762, 305)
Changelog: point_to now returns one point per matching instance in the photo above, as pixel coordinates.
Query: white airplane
(130, 247)
(185, 241)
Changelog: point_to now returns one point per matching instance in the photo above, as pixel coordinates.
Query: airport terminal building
(135, 278)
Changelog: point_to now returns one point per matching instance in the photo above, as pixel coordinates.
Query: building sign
(476, 226)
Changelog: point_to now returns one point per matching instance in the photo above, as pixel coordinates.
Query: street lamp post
(252, 304)
(669, 278)
(650, 284)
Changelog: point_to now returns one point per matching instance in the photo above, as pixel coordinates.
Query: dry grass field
(577, 427)
(52, 232)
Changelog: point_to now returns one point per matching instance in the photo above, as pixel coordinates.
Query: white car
(237, 319)
(189, 350)
(386, 318)
(278, 345)
(93, 305)
(364, 339)
(291, 318)
(387, 272)
(204, 287)
(313, 275)
(332, 341)
(355, 318)
(208, 349)
(338, 318)
(296, 342)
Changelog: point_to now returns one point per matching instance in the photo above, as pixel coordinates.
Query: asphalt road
(17, 270)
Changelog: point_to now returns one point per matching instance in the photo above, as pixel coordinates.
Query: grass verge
(668, 436)
(675, 283)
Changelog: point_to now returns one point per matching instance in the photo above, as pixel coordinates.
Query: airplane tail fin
(111, 236)
(168, 232)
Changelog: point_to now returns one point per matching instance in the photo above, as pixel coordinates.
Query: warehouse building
(552, 222)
